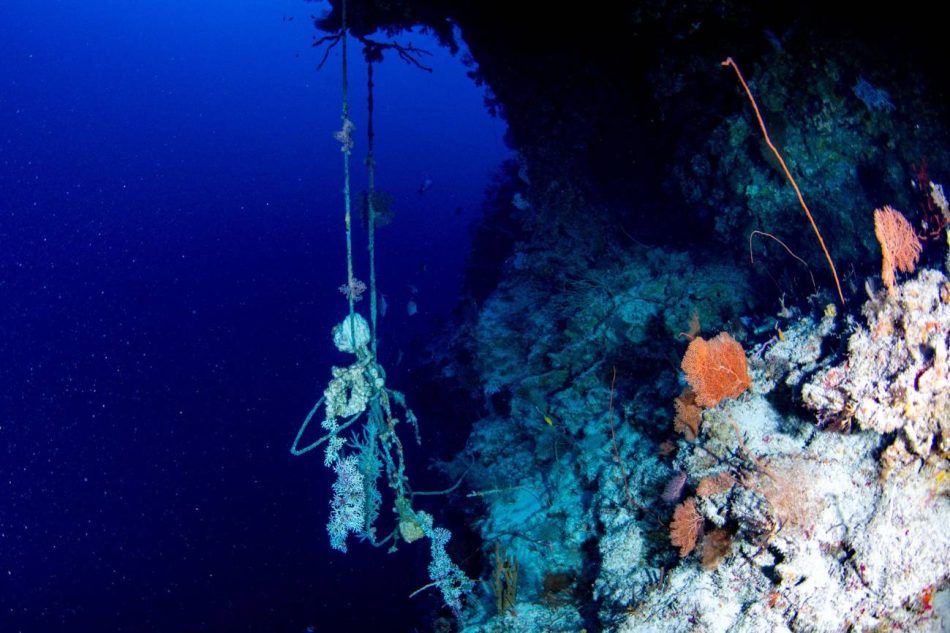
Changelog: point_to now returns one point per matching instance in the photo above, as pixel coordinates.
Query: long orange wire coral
(781, 161)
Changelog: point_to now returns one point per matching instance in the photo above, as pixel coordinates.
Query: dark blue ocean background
(171, 244)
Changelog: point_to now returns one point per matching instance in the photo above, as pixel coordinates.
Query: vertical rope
(371, 205)
(347, 148)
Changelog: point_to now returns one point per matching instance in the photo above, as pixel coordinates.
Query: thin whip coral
(781, 161)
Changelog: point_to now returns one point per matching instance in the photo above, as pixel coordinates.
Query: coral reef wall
(813, 501)
(646, 211)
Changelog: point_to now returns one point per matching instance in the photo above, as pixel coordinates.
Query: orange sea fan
(716, 546)
(714, 484)
(716, 369)
(687, 526)
(899, 243)
(688, 414)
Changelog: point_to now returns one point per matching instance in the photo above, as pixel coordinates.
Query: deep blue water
(170, 250)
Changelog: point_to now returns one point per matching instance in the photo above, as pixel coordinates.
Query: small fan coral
(899, 243)
(686, 527)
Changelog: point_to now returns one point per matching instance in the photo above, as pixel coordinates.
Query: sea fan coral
(688, 414)
(714, 484)
(716, 546)
(899, 243)
(674, 488)
(687, 526)
(716, 369)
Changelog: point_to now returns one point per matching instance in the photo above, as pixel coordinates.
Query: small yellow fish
(547, 419)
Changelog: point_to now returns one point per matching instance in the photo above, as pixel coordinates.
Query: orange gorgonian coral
(688, 414)
(714, 484)
(716, 546)
(687, 526)
(899, 243)
(716, 369)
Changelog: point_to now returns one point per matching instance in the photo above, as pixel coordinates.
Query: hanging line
(346, 138)
(371, 204)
